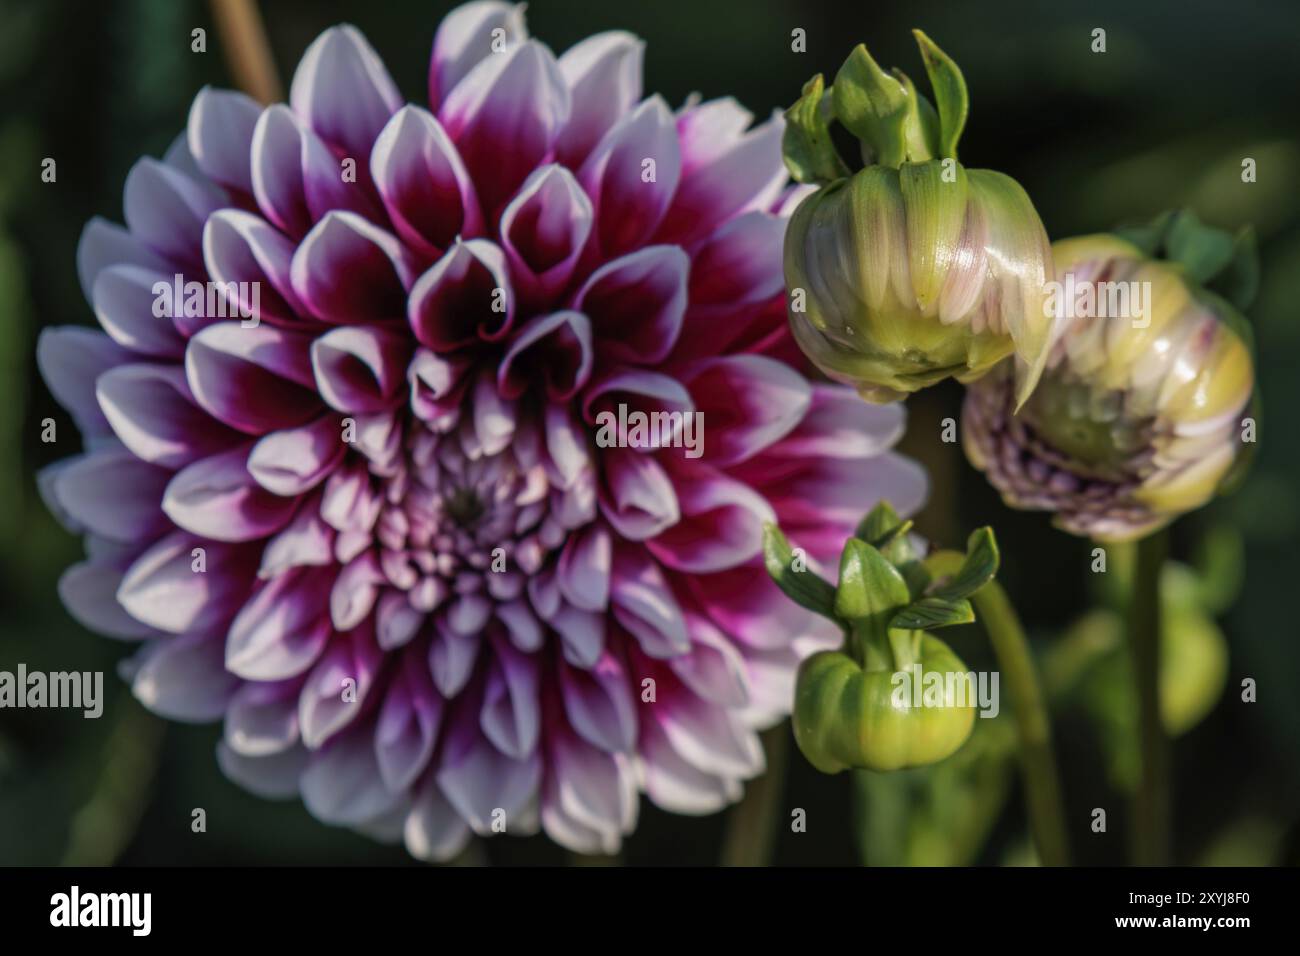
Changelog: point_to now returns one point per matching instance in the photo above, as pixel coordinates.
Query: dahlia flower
(914, 269)
(366, 519)
(1138, 417)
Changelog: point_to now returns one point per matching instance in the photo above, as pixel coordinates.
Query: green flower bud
(894, 695)
(848, 715)
(914, 269)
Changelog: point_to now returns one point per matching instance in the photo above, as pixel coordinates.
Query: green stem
(1042, 783)
(1016, 665)
(1151, 803)
(751, 826)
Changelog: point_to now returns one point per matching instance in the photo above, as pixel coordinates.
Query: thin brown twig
(248, 52)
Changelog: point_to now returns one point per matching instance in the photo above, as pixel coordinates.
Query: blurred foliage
(1162, 119)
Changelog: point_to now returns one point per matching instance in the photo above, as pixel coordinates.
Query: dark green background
(1163, 118)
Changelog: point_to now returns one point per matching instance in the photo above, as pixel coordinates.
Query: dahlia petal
(544, 230)
(166, 210)
(709, 130)
(408, 724)
(220, 134)
(305, 541)
(598, 703)
(254, 379)
(756, 401)
(342, 783)
(355, 591)
(557, 348)
(566, 446)
(423, 183)
(334, 694)
(630, 196)
(396, 620)
(104, 244)
(676, 785)
(494, 416)
(604, 76)
(713, 669)
(747, 174)
(590, 797)
(521, 624)
(293, 461)
(343, 90)
(575, 506)
(831, 490)
(644, 603)
(434, 831)
(124, 303)
(638, 498)
(752, 609)
(708, 737)
(637, 303)
(839, 424)
(111, 492)
(464, 297)
(351, 503)
(282, 629)
(582, 634)
(511, 714)
(89, 591)
(451, 659)
(278, 155)
(478, 779)
(241, 248)
(468, 34)
(361, 369)
(273, 778)
(629, 393)
(436, 385)
(505, 117)
(740, 262)
(262, 718)
(348, 271)
(721, 527)
(166, 589)
(584, 569)
(182, 677)
(217, 498)
(71, 360)
(153, 412)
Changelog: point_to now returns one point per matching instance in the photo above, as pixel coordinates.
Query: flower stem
(248, 51)
(1151, 803)
(1042, 783)
(751, 826)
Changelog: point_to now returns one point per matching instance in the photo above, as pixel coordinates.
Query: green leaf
(873, 106)
(805, 587)
(879, 522)
(806, 144)
(950, 96)
(1202, 250)
(870, 587)
(1149, 237)
(1239, 281)
(977, 570)
(931, 612)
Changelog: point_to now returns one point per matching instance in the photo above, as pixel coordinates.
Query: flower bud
(914, 269)
(894, 695)
(1138, 416)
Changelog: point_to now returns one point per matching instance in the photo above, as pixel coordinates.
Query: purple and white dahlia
(449, 502)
